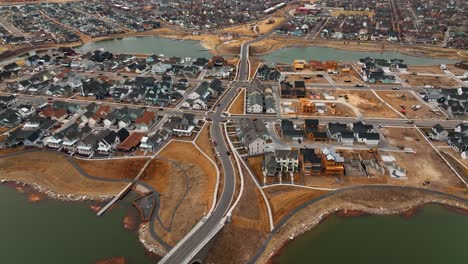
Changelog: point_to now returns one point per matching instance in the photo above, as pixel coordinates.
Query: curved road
(182, 252)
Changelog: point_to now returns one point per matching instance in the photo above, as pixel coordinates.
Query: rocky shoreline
(55, 195)
(152, 249)
(354, 211)
(149, 246)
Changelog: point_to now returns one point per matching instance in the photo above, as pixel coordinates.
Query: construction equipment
(415, 107)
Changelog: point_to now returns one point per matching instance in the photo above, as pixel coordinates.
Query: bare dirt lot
(269, 24)
(351, 79)
(455, 154)
(182, 175)
(283, 199)
(369, 105)
(436, 81)
(333, 109)
(374, 201)
(459, 166)
(240, 239)
(238, 105)
(394, 98)
(231, 47)
(307, 78)
(456, 70)
(255, 164)
(262, 27)
(54, 172)
(204, 142)
(433, 69)
(113, 168)
(424, 165)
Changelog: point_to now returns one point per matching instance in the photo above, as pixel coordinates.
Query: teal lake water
(288, 55)
(151, 45)
(435, 235)
(53, 231)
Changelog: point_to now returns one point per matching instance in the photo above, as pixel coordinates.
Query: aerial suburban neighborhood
(221, 131)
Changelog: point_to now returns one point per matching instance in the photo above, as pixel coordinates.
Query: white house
(255, 145)
(255, 103)
(464, 155)
(288, 160)
(437, 132)
(26, 111)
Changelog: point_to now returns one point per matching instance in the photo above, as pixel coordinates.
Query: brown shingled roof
(146, 118)
(101, 112)
(131, 141)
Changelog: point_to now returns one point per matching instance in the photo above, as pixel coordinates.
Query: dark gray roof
(308, 155)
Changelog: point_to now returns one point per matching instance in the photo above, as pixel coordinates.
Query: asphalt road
(182, 251)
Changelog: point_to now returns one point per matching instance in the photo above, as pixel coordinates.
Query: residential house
(254, 134)
(288, 160)
(459, 142)
(26, 110)
(280, 161)
(311, 163)
(332, 162)
(109, 140)
(34, 138)
(38, 122)
(145, 121)
(269, 165)
(438, 133)
(58, 114)
(291, 131)
(182, 126)
(255, 103)
(10, 118)
(19, 137)
(464, 155)
(131, 142)
(87, 146)
(99, 115)
(365, 133)
(266, 73)
(270, 105)
(69, 137)
(336, 130)
(7, 101)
